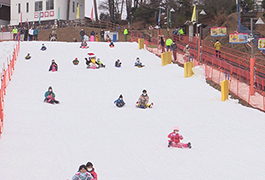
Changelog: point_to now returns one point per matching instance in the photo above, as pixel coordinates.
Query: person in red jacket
(175, 138)
(91, 170)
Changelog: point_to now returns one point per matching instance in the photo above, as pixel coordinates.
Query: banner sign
(218, 31)
(238, 38)
(261, 45)
(44, 14)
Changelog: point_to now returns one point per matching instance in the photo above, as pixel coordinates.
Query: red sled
(179, 145)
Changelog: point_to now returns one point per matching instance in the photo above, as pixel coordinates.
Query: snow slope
(43, 141)
(6, 50)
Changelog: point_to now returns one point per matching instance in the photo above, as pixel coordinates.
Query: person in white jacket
(31, 33)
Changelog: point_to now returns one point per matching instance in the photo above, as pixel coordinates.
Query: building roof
(5, 2)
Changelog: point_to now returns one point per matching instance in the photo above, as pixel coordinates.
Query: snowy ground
(43, 141)
(6, 50)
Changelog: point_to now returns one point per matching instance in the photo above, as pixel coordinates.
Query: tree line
(147, 11)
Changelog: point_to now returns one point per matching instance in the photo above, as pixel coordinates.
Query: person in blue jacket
(43, 48)
(118, 63)
(119, 102)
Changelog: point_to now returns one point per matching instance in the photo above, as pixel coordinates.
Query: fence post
(251, 87)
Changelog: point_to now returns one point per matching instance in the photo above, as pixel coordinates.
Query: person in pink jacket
(175, 138)
(91, 170)
(53, 66)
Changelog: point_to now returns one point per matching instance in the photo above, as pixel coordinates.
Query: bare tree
(96, 9)
(111, 9)
(128, 7)
(121, 8)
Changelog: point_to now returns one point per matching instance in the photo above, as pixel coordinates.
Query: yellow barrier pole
(166, 58)
(141, 43)
(188, 69)
(224, 89)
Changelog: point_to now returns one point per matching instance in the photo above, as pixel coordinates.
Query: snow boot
(169, 143)
(189, 144)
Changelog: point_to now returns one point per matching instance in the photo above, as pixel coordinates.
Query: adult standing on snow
(31, 33)
(102, 35)
(168, 44)
(82, 33)
(162, 42)
(35, 34)
(125, 32)
(174, 48)
(15, 30)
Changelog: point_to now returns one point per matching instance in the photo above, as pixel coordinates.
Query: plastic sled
(179, 145)
(120, 104)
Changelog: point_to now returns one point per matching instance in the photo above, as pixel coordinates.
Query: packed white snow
(6, 50)
(43, 141)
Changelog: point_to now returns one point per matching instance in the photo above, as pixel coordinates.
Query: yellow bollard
(224, 89)
(188, 69)
(141, 43)
(166, 58)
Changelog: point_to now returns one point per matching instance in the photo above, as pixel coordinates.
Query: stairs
(245, 20)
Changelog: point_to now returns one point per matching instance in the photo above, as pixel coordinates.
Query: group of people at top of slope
(85, 172)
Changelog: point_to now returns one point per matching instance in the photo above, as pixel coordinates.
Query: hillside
(43, 141)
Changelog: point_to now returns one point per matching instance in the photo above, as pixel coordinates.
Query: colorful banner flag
(58, 17)
(193, 18)
(261, 45)
(92, 14)
(159, 16)
(238, 38)
(169, 16)
(77, 12)
(218, 31)
(39, 17)
(21, 18)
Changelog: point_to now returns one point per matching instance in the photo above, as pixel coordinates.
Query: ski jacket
(144, 98)
(14, 31)
(118, 100)
(175, 137)
(138, 64)
(217, 45)
(47, 94)
(94, 174)
(162, 42)
(117, 64)
(53, 67)
(43, 48)
(169, 42)
(102, 33)
(125, 32)
(82, 33)
(174, 47)
(82, 176)
(35, 31)
(31, 32)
